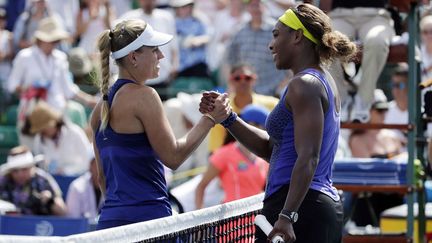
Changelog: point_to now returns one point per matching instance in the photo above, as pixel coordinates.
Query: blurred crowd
(49, 73)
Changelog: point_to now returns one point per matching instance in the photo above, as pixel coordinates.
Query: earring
(135, 65)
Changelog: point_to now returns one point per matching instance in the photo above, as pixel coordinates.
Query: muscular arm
(306, 100)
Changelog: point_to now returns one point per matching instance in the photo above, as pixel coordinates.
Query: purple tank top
(135, 183)
(280, 127)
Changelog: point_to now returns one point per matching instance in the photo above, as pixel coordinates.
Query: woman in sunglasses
(302, 130)
(242, 80)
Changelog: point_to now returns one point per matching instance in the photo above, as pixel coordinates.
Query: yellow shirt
(218, 133)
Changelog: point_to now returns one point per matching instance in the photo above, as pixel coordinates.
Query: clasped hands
(216, 105)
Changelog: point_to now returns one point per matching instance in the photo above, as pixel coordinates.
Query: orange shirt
(240, 177)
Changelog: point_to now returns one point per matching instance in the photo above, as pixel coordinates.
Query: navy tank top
(280, 127)
(135, 183)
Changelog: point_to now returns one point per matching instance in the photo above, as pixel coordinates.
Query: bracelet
(211, 118)
(230, 120)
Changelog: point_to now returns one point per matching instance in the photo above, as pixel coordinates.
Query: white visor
(148, 37)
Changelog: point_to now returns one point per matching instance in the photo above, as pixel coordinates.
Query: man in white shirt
(42, 72)
(398, 108)
(84, 197)
(160, 20)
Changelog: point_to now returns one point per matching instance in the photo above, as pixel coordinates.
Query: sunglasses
(247, 78)
(399, 85)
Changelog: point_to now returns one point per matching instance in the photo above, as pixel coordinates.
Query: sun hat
(380, 100)
(149, 37)
(18, 161)
(43, 116)
(254, 113)
(79, 62)
(49, 30)
(180, 3)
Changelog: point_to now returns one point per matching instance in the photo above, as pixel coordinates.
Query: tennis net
(229, 222)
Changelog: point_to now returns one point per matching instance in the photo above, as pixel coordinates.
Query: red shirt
(240, 177)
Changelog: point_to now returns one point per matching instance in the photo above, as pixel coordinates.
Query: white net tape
(154, 228)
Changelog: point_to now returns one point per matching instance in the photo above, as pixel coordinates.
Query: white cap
(148, 37)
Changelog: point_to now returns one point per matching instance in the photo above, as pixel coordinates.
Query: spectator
(371, 24)
(249, 45)
(227, 22)
(193, 39)
(426, 47)
(67, 10)
(241, 172)
(41, 72)
(241, 83)
(80, 65)
(64, 144)
(376, 143)
(161, 20)
(398, 108)
(93, 17)
(6, 49)
(28, 22)
(277, 7)
(32, 190)
(84, 197)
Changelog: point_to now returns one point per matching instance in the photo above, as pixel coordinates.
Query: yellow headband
(290, 19)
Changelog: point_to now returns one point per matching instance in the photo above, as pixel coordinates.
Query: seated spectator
(242, 81)
(398, 108)
(376, 143)
(84, 197)
(32, 190)
(64, 144)
(371, 24)
(241, 172)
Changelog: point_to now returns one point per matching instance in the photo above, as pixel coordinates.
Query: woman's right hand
(221, 107)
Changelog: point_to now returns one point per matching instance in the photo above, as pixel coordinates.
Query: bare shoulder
(146, 94)
(145, 97)
(304, 86)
